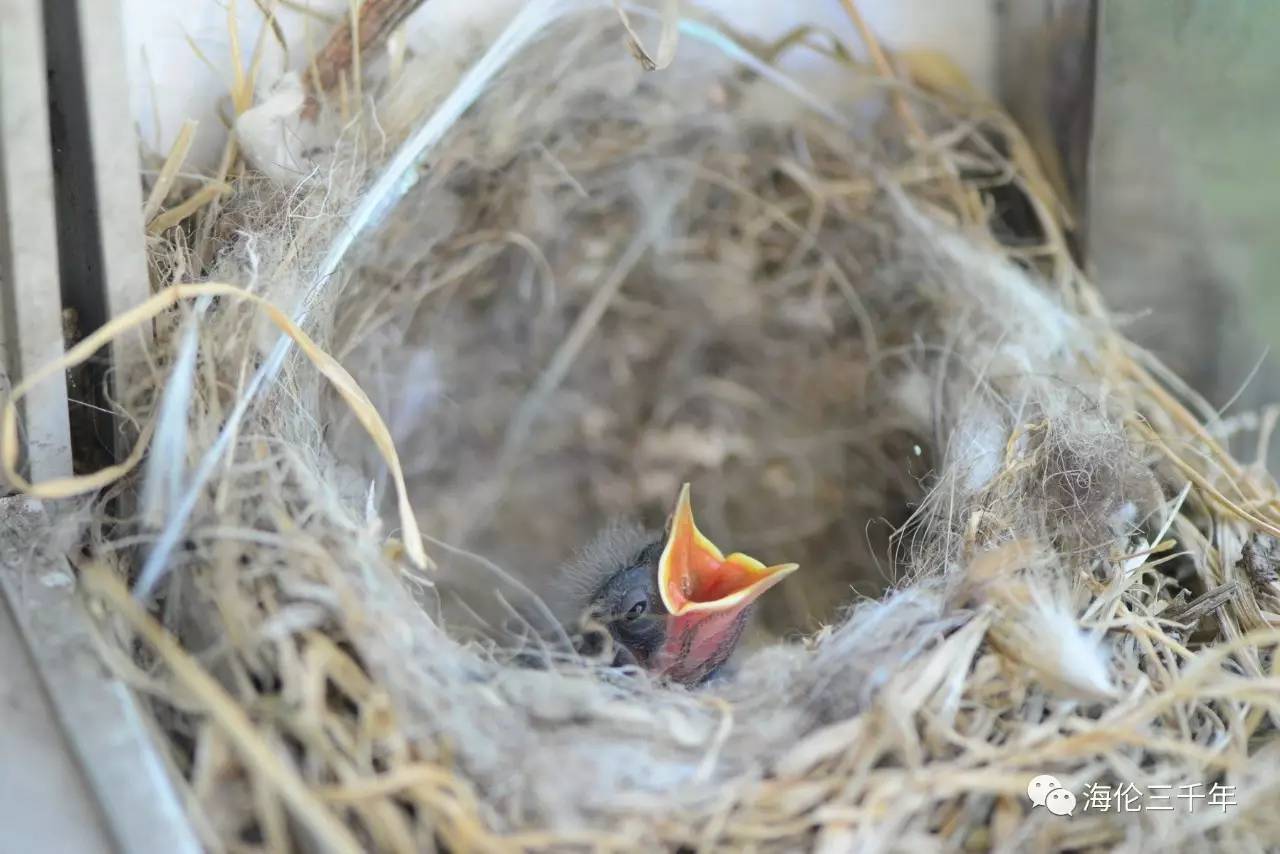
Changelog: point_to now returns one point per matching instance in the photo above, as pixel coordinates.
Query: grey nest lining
(866, 345)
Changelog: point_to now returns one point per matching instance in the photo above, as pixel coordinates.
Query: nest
(846, 310)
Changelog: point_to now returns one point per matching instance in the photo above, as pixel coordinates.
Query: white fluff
(275, 137)
(1070, 659)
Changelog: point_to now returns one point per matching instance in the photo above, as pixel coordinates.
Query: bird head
(678, 607)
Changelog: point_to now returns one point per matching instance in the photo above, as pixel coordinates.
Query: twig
(169, 172)
(881, 61)
(968, 207)
(1192, 612)
(356, 35)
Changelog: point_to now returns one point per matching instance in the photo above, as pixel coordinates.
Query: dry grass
(838, 320)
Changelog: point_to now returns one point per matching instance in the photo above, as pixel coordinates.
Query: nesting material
(841, 308)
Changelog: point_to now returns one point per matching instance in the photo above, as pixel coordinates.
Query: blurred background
(1157, 120)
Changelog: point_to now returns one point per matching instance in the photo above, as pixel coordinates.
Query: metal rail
(79, 771)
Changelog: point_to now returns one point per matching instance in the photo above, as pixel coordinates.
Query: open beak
(694, 577)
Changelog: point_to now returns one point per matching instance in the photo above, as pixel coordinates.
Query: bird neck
(698, 643)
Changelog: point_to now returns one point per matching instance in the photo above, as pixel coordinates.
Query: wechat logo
(1045, 791)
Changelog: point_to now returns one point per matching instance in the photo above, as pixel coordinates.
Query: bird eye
(636, 610)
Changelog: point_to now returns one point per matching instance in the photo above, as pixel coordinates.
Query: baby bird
(672, 604)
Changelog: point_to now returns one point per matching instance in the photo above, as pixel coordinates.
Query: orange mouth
(694, 576)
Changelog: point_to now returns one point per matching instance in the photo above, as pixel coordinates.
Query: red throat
(700, 642)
